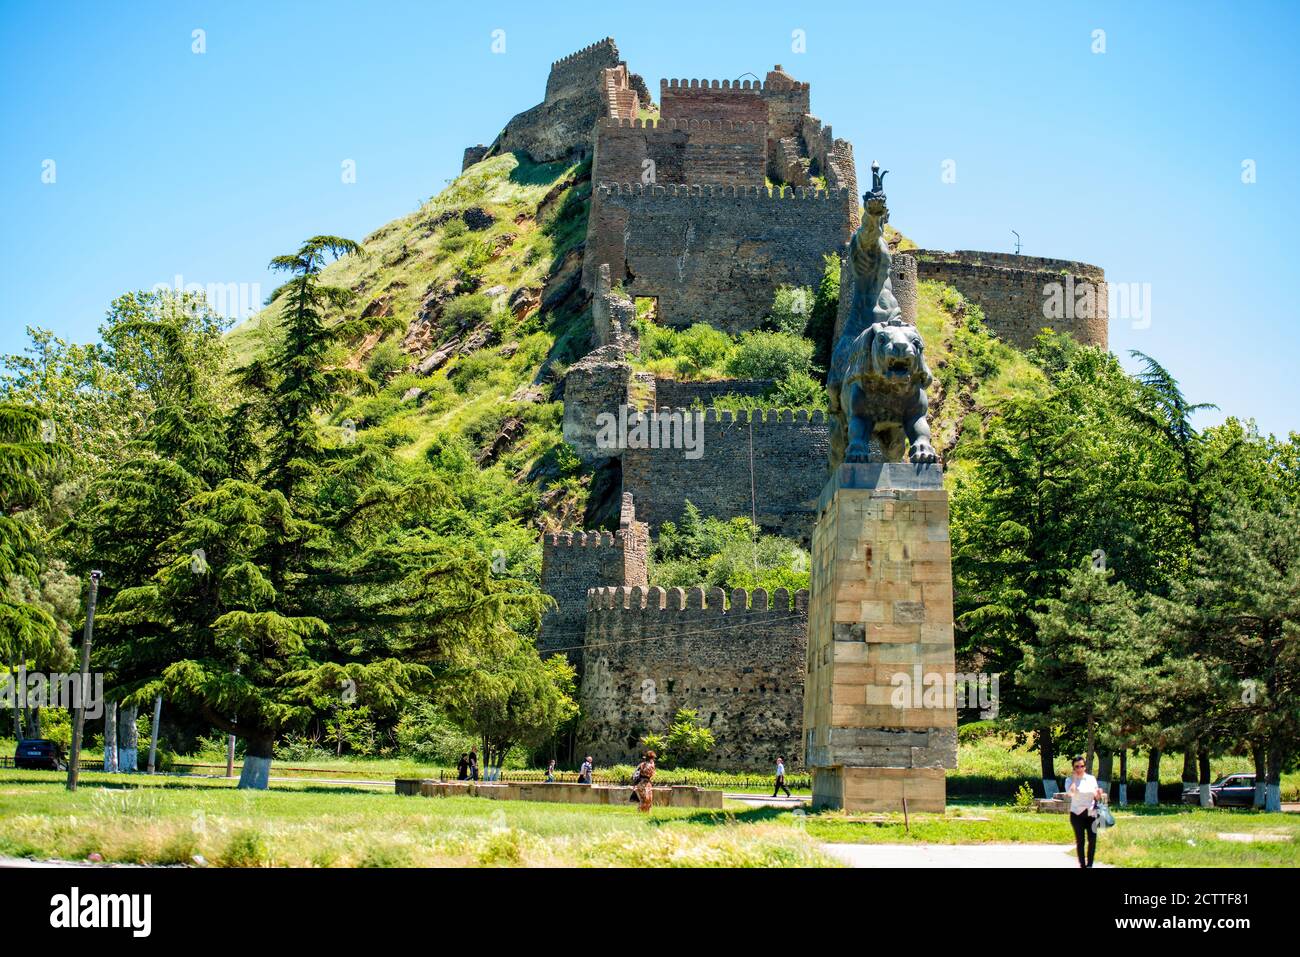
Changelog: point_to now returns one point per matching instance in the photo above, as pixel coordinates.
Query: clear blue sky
(169, 162)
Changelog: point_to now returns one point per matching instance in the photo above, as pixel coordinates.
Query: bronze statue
(878, 374)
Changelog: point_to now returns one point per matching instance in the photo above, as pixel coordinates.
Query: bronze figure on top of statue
(878, 374)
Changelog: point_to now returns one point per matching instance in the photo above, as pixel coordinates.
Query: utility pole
(78, 728)
(1017, 242)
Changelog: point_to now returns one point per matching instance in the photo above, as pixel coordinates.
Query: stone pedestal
(880, 722)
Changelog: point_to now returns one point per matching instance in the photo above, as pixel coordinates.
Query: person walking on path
(780, 778)
(584, 775)
(644, 787)
(550, 772)
(462, 767)
(473, 765)
(1084, 795)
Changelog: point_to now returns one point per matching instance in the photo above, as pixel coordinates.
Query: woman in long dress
(645, 788)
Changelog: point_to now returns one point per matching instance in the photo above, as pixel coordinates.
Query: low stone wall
(558, 792)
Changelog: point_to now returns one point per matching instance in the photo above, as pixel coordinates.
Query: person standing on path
(584, 775)
(645, 773)
(1084, 795)
(473, 765)
(780, 777)
(462, 767)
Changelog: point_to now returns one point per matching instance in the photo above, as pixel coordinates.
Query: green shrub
(1024, 799)
(467, 310)
(245, 848)
(385, 361)
(695, 352)
(770, 355)
(799, 390)
(791, 309)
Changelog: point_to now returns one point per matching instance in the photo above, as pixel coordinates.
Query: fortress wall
(572, 563)
(576, 96)
(714, 254)
(674, 394)
(790, 464)
(693, 152)
(650, 652)
(1012, 291)
(738, 102)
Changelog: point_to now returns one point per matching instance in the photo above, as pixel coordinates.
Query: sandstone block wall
(715, 254)
(692, 152)
(738, 102)
(788, 450)
(601, 382)
(674, 394)
(649, 652)
(882, 606)
(1012, 290)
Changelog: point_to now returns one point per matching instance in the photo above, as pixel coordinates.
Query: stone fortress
(732, 190)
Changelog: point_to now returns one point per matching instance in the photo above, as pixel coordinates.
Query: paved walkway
(955, 855)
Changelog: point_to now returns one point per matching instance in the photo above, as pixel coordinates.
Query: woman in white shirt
(1084, 795)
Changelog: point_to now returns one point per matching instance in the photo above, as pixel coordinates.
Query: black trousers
(1082, 824)
(780, 786)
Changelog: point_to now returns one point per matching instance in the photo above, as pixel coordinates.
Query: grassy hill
(481, 283)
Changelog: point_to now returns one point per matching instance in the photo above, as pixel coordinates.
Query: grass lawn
(169, 821)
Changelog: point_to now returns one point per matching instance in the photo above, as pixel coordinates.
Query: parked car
(39, 754)
(1231, 790)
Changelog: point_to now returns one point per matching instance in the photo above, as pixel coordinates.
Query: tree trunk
(1260, 754)
(153, 732)
(1092, 745)
(1189, 768)
(1123, 777)
(1105, 770)
(18, 696)
(1203, 762)
(1273, 797)
(110, 737)
(256, 772)
(34, 722)
(1047, 762)
(128, 740)
(1152, 795)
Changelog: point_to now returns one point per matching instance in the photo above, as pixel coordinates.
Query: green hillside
(482, 282)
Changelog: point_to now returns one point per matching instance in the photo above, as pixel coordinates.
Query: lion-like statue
(878, 374)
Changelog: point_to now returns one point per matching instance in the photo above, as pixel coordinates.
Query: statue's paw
(858, 452)
(923, 453)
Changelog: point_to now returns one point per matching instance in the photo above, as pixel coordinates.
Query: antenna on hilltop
(1017, 242)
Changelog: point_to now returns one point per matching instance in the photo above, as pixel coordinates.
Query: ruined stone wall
(650, 652)
(674, 394)
(714, 254)
(789, 455)
(576, 96)
(621, 98)
(600, 382)
(472, 155)
(572, 563)
(1012, 291)
(788, 101)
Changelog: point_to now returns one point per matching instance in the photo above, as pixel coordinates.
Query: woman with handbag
(1084, 795)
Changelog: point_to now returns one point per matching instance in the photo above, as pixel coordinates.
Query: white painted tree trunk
(1206, 799)
(128, 741)
(1261, 793)
(153, 733)
(110, 737)
(1049, 787)
(1152, 795)
(256, 773)
(1273, 797)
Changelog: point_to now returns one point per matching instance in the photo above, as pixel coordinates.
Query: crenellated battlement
(679, 125)
(734, 86)
(592, 539)
(599, 47)
(716, 601)
(705, 192)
